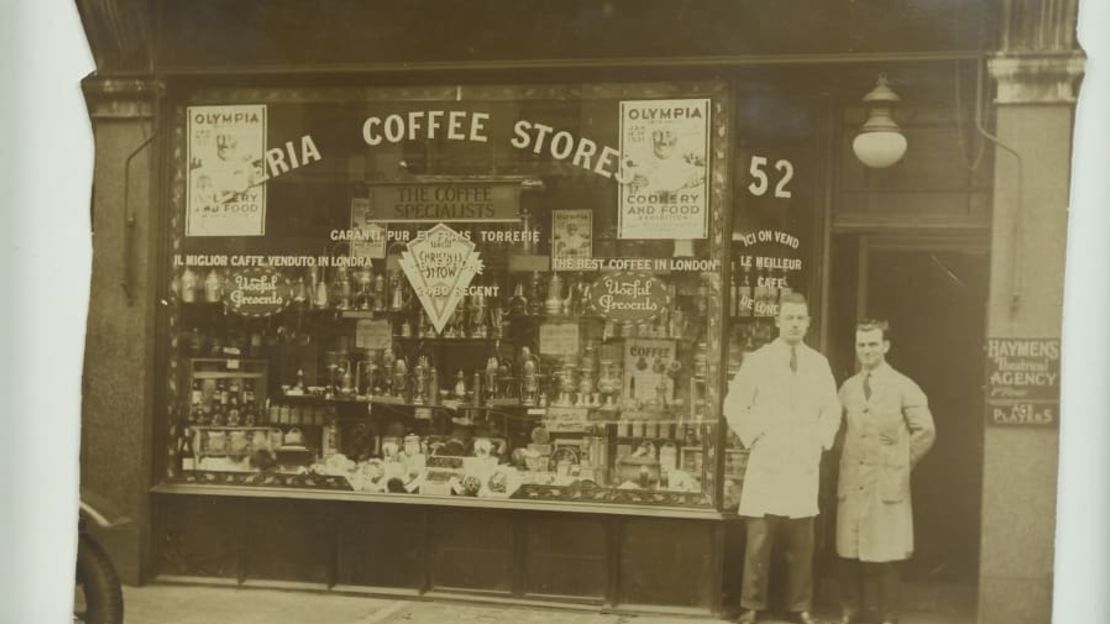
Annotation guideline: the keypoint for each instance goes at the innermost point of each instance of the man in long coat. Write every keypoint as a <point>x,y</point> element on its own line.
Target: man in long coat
<point>889,430</point>
<point>782,404</point>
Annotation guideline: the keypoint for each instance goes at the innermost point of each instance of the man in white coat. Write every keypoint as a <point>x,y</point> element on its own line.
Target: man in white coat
<point>889,430</point>
<point>782,404</point>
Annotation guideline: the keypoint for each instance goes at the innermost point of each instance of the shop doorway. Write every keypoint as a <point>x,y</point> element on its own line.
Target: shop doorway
<point>934,291</point>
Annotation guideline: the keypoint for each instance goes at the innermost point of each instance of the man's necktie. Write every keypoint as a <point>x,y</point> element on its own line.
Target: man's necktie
<point>793,359</point>
<point>867,386</point>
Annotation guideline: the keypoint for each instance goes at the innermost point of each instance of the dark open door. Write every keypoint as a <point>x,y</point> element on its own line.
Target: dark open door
<point>933,290</point>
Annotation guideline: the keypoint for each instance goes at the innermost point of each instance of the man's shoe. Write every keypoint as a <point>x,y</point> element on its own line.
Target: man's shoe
<point>749,616</point>
<point>848,618</point>
<point>805,617</point>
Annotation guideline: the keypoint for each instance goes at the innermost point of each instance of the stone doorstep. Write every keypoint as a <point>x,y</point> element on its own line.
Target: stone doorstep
<point>941,597</point>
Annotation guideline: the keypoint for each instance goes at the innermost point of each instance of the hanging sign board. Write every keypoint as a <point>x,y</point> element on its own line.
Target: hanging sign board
<point>664,146</point>
<point>257,292</point>
<point>225,149</point>
<point>629,297</point>
<point>440,264</point>
<point>1023,381</point>
<point>454,201</point>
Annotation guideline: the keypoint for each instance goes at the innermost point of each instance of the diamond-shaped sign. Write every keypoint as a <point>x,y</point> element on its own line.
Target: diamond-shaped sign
<point>440,265</point>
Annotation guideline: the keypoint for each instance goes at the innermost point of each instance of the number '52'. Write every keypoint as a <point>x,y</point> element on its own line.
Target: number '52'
<point>760,183</point>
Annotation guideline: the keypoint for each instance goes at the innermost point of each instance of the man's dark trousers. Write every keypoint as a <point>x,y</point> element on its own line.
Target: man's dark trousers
<point>796,534</point>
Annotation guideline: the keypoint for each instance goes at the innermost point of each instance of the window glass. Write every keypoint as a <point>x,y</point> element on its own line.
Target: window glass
<point>494,292</point>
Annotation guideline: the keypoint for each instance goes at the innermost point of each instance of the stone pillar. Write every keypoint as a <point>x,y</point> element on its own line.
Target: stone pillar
<point>119,384</point>
<point>1037,77</point>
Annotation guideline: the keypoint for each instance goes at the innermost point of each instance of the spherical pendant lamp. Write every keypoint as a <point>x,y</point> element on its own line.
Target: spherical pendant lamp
<point>880,142</point>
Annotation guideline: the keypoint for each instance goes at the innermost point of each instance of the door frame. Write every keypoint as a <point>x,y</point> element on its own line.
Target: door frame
<point>973,243</point>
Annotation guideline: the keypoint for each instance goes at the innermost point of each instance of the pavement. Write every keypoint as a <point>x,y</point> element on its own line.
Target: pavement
<point>189,604</point>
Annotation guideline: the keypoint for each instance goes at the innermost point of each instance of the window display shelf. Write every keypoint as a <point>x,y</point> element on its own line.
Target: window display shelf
<point>449,405</point>
<point>597,415</point>
<point>214,484</point>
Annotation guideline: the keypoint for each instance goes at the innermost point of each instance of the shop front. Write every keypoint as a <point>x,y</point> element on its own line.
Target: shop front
<point>473,338</point>
<point>416,326</point>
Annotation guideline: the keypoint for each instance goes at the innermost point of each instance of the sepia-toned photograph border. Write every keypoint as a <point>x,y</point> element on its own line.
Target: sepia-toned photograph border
<point>588,311</point>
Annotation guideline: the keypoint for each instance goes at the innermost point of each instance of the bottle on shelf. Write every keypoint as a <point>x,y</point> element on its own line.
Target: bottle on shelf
<point>213,287</point>
<point>234,412</point>
<point>320,298</point>
<point>347,381</point>
<point>185,451</point>
<point>492,375</point>
<point>397,291</point>
<point>419,380</point>
<point>377,290</point>
<point>188,285</point>
<point>476,316</point>
<point>363,279</point>
<point>527,244</point>
<point>518,303</point>
<point>433,386</point>
<point>342,290</point>
<point>535,294</point>
<point>553,305</point>
<point>196,398</point>
<point>300,293</point>
<point>460,385</point>
<point>220,400</point>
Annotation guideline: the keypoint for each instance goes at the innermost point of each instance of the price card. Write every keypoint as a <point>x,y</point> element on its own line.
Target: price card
<point>371,334</point>
<point>566,419</point>
<point>559,338</point>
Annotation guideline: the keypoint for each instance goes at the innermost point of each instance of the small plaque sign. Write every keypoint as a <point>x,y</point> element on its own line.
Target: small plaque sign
<point>629,296</point>
<point>450,201</point>
<point>257,292</point>
<point>1023,381</point>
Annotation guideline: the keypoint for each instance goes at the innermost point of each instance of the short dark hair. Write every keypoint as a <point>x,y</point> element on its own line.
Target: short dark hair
<point>793,297</point>
<point>873,324</point>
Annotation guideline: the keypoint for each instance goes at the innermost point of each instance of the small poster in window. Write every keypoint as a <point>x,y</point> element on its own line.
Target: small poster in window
<point>571,237</point>
<point>559,338</point>
<point>649,368</point>
<point>225,191</point>
<point>367,236</point>
<point>664,151</point>
<point>373,334</point>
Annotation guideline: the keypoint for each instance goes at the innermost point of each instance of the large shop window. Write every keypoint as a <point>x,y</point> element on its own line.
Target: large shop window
<point>506,293</point>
